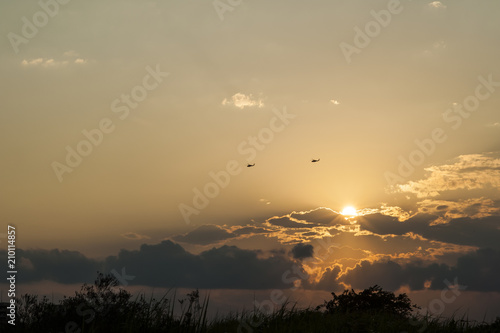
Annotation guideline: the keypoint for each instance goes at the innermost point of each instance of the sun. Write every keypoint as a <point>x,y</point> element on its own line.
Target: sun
<point>349,211</point>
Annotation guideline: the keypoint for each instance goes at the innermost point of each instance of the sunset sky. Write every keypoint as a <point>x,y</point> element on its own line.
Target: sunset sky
<point>127,127</point>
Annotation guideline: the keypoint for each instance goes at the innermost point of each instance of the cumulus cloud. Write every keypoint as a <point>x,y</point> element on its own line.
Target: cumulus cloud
<point>332,257</point>
<point>241,101</point>
<point>301,251</point>
<point>61,266</point>
<point>437,5</point>
<point>469,172</point>
<point>447,210</point>
<point>205,234</point>
<point>335,252</point>
<point>334,102</point>
<point>466,231</point>
<point>475,271</point>
<point>162,265</point>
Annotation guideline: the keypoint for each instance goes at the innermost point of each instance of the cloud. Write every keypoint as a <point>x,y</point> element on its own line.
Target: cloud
<point>301,251</point>
<point>464,231</point>
<point>205,234</point>
<point>394,211</point>
<point>241,101</point>
<point>69,57</point>
<point>319,216</point>
<point>437,5</point>
<point>448,210</point>
<point>162,265</point>
<point>249,230</point>
<point>51,63</point>
<point>134,236</point>
<point>476,271</point>
<point>334,102</point>
<point>393,254</point>
<point>61,266</point>
<point>469,172</point>
<point>288,222</point>
<point>441,44</point>
<point>70,54</point>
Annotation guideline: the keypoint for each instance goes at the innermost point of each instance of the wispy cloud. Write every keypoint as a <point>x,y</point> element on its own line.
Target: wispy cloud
<point>51,63</point>
<point>134,236</point>
<point>68,58</point>
<point>495,125</point>
<point>71,53</point>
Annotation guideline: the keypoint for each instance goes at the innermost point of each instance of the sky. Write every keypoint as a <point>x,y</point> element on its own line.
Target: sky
<point>127,127</point>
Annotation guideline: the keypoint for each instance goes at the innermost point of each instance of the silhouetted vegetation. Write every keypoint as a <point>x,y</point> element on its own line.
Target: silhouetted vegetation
<point>372,301</point>
<point>104,307</point>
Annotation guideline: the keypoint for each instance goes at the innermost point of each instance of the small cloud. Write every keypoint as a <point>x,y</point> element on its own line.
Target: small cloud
<point>241,101</point>
<point>437,5</point>
<point>265,201</point>
<point>204,235</point>
<point>441,44</point>
<point>53,63</point>
<point>49,62</point>
<point>497,125</point>
<point>334,102</point>
<point>433,50</point>
<point>134,236</point>
<point>32,62</point>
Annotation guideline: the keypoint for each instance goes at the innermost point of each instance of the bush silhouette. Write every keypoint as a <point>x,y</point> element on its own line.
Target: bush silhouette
<point>371,300</point>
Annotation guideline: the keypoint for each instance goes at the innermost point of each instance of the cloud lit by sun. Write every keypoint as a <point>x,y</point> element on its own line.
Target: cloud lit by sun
<point>349,211</point>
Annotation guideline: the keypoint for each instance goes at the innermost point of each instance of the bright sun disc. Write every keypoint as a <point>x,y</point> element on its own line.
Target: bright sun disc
<point>349,211</point>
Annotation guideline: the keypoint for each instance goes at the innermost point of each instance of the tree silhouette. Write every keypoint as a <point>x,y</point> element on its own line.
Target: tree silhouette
<point>371,300</point>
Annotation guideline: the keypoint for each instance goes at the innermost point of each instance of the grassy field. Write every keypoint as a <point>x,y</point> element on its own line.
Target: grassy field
<point>103,307</point>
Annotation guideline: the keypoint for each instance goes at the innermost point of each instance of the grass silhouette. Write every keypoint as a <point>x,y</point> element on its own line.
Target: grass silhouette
<point>104,307</point>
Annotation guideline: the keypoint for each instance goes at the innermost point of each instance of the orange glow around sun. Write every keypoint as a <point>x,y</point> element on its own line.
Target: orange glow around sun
<point>349,211</point>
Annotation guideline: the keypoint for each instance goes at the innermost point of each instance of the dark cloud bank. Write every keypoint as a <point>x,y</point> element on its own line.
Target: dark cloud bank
<point>167,264</point>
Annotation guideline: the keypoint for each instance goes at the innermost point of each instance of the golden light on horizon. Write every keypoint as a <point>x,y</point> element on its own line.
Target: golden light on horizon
<point>349,211</point>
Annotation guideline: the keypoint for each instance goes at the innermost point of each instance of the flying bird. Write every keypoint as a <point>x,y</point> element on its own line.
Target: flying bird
<point>250,165</point>
<point>315,160</point>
